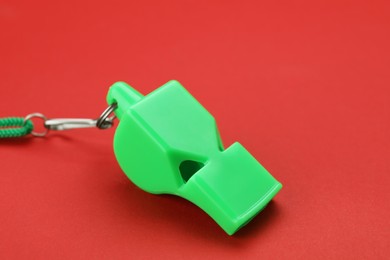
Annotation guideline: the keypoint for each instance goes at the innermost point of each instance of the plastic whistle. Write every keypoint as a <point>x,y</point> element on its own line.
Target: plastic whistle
<point>166,142</point>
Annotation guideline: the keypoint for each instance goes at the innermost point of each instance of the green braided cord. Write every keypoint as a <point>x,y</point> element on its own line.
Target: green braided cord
<point>15,127</point>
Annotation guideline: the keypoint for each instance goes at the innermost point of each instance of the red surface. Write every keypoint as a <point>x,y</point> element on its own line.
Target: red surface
<point>304,86</point>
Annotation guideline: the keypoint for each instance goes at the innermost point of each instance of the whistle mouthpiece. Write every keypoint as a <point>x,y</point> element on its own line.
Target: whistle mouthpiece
<point>232,188</point>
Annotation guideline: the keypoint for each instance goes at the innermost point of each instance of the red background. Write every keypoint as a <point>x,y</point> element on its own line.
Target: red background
<point>303,85</point>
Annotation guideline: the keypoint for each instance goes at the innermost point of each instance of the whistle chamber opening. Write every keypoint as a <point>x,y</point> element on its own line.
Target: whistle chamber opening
<point>188,168</point>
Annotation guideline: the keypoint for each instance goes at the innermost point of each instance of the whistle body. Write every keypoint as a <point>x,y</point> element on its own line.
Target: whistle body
<point>166,142</point>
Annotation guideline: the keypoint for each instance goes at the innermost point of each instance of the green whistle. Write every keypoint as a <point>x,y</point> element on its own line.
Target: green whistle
<point>166,142</point>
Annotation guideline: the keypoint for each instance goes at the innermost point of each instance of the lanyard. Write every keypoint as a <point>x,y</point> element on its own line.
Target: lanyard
<point>11,127</point>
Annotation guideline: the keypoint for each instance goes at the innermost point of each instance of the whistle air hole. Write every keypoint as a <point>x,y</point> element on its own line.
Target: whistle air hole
<point>188,168</point>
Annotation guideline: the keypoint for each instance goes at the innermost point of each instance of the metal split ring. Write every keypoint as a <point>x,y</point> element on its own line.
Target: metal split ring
<point>104,121</point>
<point>37,115</point>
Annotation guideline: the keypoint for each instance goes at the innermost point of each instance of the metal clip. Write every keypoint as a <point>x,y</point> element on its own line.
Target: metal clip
<point>59,124</point>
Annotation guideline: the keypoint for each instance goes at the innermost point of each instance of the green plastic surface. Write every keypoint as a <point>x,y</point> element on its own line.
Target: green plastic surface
<point>166,142</point>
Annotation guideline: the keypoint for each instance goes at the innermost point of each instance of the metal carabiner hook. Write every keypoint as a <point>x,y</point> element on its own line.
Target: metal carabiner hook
<point>60,124</point>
